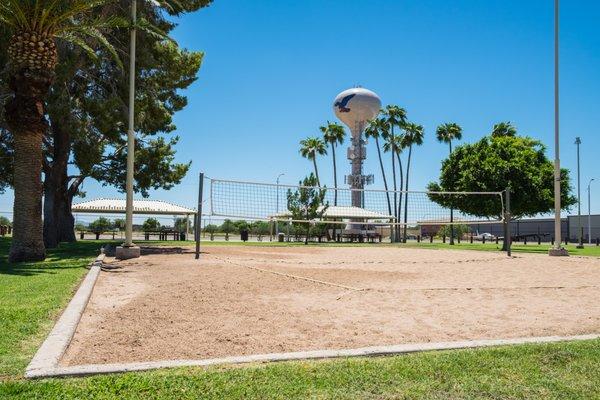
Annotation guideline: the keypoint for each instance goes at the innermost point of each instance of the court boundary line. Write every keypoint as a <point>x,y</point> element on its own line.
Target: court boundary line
<point>58,340</point>
<point>56,371</point>
<point>291,276</point>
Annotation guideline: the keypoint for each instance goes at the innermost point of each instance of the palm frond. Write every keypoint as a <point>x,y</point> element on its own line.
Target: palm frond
<point>75,9</point>
<point>93,33</point>
<point>78,41</point>
<point>14,12</point>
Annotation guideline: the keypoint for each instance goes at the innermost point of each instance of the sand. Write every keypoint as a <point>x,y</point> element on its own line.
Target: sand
<point>236,301</point>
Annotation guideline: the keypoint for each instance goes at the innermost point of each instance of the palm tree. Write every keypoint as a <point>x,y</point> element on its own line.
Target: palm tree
<point>396,146</point>
<point>413,136</point>
<point>333,134</point>
<point>446,133</point>
<point>395,117</point>
<point>35,27</point>
<point>504,129</point>
<point>309,148</point>
<point>377,128</point>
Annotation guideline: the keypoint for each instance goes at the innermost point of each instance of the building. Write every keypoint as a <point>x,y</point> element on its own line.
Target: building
<point>534,227</point>
<point>574,227</point>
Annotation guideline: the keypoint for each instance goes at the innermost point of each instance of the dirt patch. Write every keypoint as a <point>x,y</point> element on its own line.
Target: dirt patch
<point>247,300</point>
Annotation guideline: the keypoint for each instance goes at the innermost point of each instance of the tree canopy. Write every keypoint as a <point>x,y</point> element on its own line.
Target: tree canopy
<point>87,112</point>
<point>100,225</point>
<point>307,202</point>
<point>495,163</point>
<point>150,225</point>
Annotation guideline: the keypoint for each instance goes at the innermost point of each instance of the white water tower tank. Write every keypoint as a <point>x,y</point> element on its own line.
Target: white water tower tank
<point>354,107</point>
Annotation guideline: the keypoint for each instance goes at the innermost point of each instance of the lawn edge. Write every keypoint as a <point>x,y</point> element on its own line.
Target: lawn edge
<point>56,371</point>
<point>56,343</point>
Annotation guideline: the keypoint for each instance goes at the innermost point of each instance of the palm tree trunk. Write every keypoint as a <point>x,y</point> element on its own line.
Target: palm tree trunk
<point>335,185</point>
<point>406,193</point>
<point>400,169</point>
<point>26,120</point>
<point>314,160</point>
<point>395,187</point>
<point>451,210</point>
<point>387,194</point>
<point>28,236</point>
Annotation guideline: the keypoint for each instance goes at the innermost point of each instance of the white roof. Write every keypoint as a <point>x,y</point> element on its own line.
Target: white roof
<point>117,206</point>
<point>345,212</point>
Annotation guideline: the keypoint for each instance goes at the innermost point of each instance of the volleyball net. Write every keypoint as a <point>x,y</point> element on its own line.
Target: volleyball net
<point>289,203</point>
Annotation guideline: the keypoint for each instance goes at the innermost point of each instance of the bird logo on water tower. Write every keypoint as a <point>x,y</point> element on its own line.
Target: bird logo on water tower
<point>355,107</point>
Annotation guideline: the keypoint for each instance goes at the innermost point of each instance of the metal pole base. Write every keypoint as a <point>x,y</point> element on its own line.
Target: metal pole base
<point>562,252</point>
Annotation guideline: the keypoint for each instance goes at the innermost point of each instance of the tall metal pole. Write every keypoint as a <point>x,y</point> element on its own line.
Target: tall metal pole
<point>130,132</point>
<point>558,250</point>
<point>590,211</point>
<point>277,211</point>
<point>580,227</point>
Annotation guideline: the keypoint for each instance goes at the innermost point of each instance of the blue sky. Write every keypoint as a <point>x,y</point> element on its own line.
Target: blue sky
<point>273,67</point>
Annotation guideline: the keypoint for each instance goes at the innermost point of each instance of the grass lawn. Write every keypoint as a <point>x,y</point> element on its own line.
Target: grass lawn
<point>588,250</point>
<point>32,295</point>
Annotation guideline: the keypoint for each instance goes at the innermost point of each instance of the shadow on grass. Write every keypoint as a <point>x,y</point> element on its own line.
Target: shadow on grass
<point>66,256</point>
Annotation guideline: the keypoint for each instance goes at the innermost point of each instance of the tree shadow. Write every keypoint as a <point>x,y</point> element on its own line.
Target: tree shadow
<point>147,250</point>
<point>66,256</point>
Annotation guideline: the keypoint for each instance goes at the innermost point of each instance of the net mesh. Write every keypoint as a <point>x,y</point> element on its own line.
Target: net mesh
<point>269,202</point>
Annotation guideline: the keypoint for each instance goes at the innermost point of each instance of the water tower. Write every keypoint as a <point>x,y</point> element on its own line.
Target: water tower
<point>354,107</point>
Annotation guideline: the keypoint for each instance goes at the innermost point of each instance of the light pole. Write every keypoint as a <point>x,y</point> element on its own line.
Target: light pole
<point>276,220</point>
<point>129,250</point>
<point>590,211</point>
<point>557,250</point>
<point>580,228</point>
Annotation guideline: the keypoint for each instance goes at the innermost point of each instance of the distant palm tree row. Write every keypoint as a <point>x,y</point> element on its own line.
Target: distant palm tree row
<point>393,134</point>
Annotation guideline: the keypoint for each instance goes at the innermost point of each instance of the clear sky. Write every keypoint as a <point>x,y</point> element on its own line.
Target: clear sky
<point>273,67</point>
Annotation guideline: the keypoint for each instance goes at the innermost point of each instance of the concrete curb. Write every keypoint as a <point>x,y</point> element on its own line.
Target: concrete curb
<point>92,369</point>
<point>51,351</point>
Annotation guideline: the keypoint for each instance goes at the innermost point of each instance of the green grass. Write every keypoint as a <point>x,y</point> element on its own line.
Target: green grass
<point>589,250</point>
<point>552,371</point>
<point>31,296</point>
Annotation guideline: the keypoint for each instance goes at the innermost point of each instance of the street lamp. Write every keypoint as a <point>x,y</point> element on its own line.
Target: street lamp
<point>590,211</point>
<point>557,249</point>
<point>277,211</point>
<point>580,230</point>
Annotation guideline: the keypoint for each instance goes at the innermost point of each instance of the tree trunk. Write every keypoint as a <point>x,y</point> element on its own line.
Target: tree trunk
<point>400,169</point>
<point>26,120</point>
<point>451,210</point>
<point>406,193</point>
<point>387,194</point>
<point>66,221</point>
<point>58,220</point>
<point>316,171</point>
<point>335,185</point>
<point>50,222</point>
<point>64,214</point>
<point>395,234</point>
